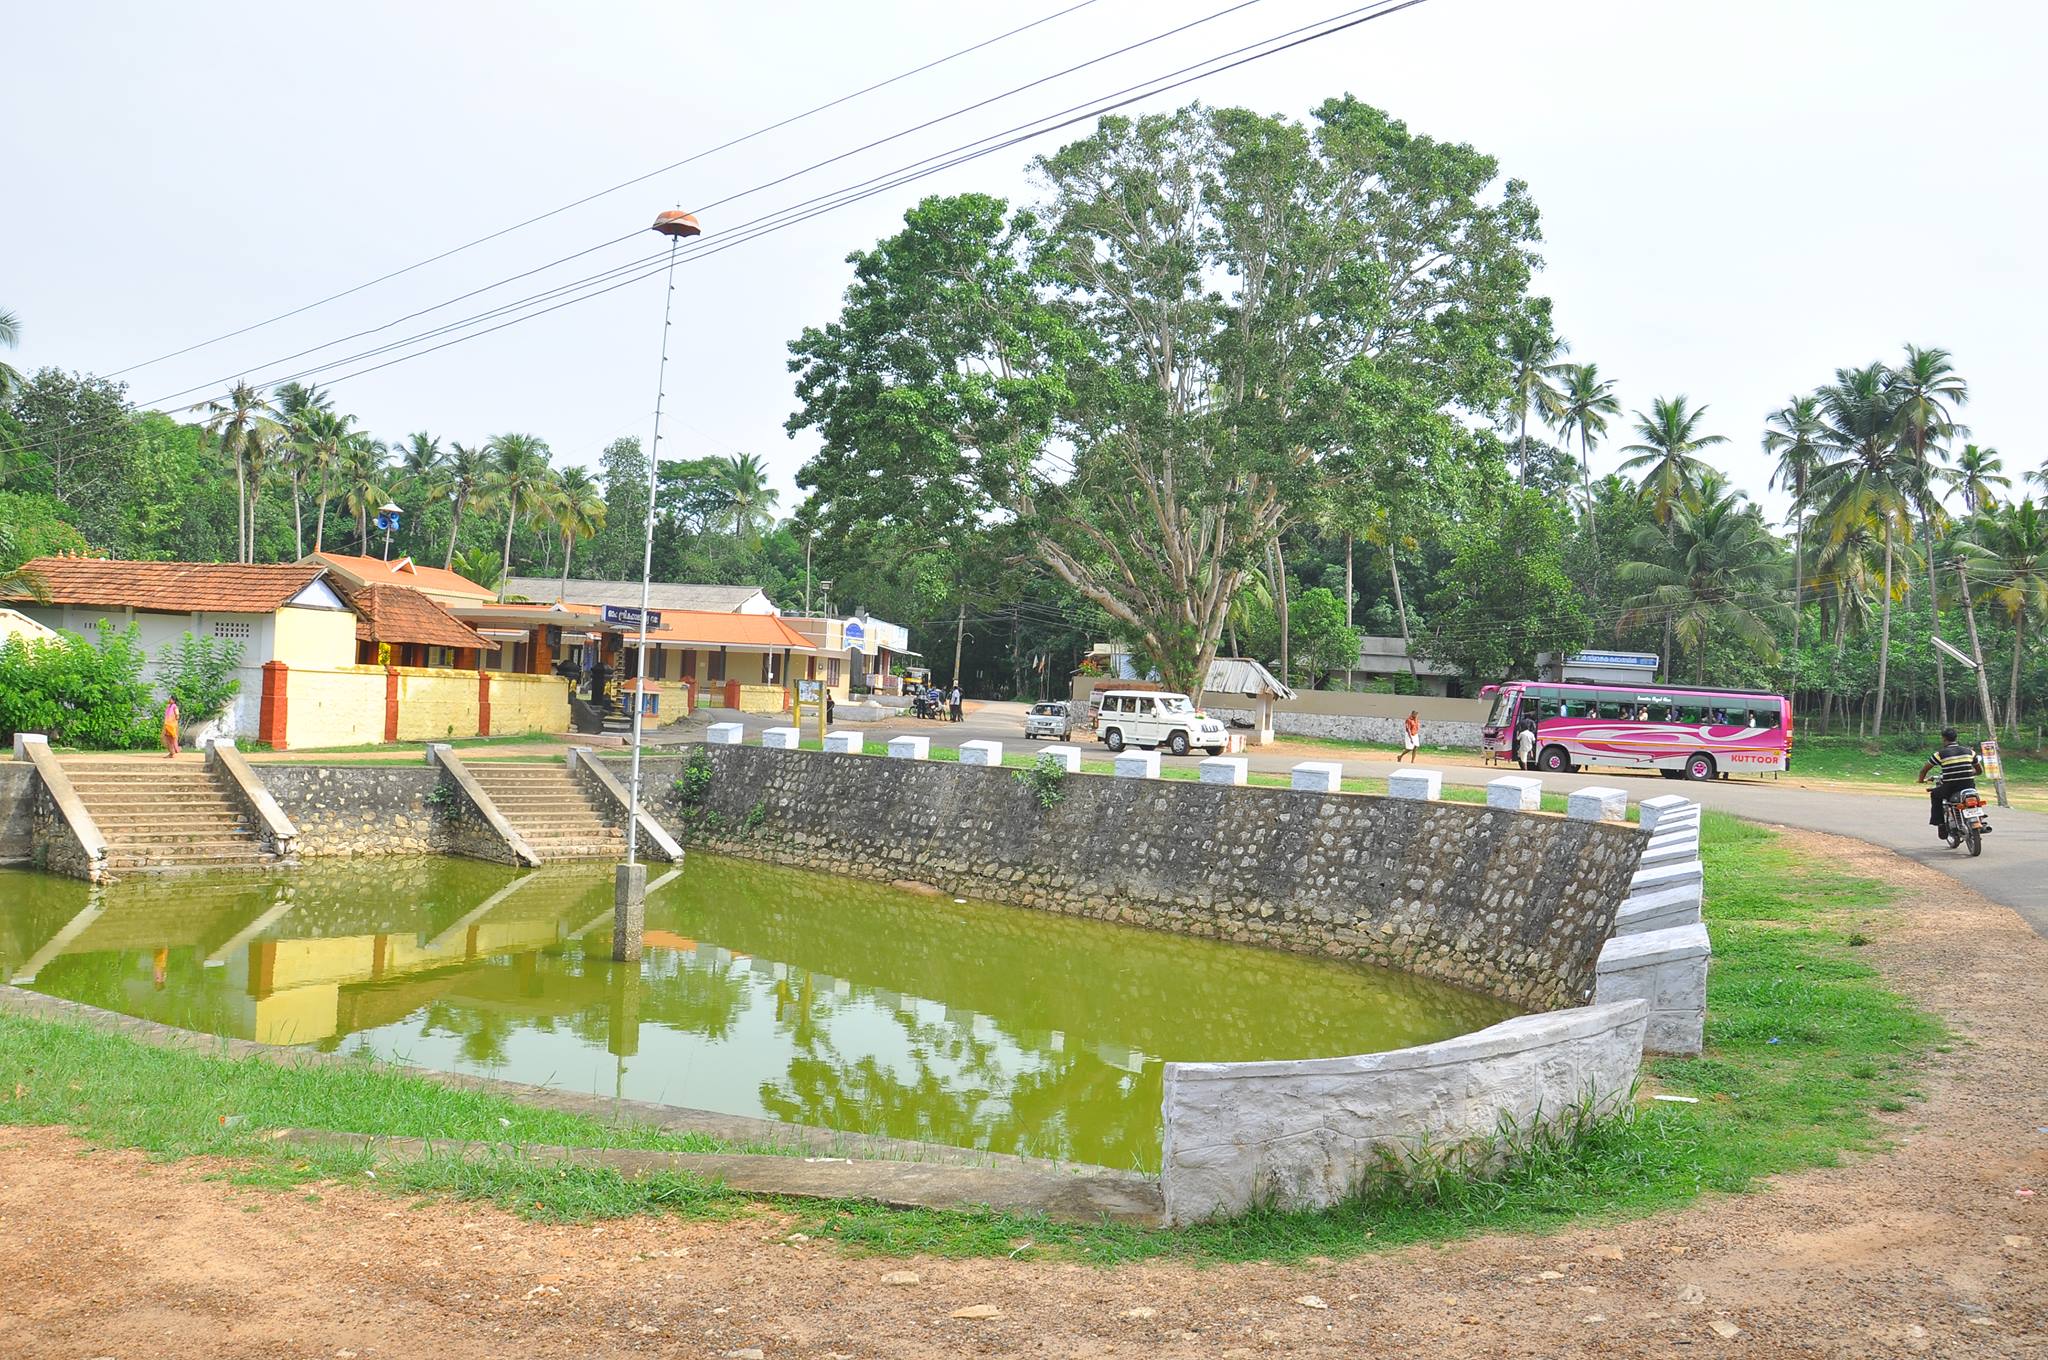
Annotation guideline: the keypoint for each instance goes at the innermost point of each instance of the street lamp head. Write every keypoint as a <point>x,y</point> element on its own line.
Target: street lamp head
<point>676,222</point>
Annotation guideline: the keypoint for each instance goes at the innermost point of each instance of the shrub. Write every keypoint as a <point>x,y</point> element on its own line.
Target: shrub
<point>78,693</point>
<point>199,673</point>
<point>695,780</point>
<point>1048,780</point>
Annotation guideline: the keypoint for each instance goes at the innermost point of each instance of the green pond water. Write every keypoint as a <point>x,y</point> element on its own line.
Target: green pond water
<point>764,991</point>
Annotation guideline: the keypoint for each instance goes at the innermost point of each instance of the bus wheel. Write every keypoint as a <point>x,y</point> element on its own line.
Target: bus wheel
<point>1554,759</point>
<point>1700,766</point>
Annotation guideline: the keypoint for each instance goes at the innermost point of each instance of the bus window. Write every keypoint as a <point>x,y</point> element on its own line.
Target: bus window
<point>1660,711</point>
<point>1688,712</point>
<point>1613,709</point>
<point>1764,715</point>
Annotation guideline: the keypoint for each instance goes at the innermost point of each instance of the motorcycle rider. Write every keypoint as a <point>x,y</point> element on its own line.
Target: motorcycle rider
<point>1959,766</point>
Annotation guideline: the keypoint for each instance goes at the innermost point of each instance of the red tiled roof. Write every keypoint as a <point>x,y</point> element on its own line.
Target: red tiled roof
<point>401,614</point>
<point>402,572</point>
<point>174,587</point>
<point>705,628</point>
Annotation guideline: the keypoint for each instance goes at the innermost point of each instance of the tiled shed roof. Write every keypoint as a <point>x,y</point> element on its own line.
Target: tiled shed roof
<point>402,614</point>
<point>174,587</point>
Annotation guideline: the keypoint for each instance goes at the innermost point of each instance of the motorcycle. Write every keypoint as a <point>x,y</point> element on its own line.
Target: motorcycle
<point>1965,820</point>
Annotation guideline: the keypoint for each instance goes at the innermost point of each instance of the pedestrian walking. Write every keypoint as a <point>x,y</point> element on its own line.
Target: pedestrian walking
<point>954,701</point>
<point>1411,737</point>
<point>170,729</point>
<point>1525,746</point>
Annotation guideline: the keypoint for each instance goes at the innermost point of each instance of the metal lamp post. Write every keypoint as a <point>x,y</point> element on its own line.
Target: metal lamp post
<point>629,899</point>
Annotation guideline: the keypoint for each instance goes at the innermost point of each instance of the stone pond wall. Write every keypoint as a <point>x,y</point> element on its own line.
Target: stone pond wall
<point>365,810</point>
<point>1513,904</point>
<point>17,811</point>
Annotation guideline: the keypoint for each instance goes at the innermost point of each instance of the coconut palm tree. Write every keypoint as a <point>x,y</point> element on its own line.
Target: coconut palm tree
<point>2014,564</point>
<point>327,438</point>
<point>1979,473</point>
<point>231,421</point>
<point>1864,480</point>
<point>1713,566</point>
<point>363,479</point>
<point>1533,367</point>
<point>294,403</point>
<point>518,484</point>
<point>579,510</point>
<point>1792,435</point>
<point>1666,459</point>
<point>743,485</point>
<point>1382,529</point>
<point>1582,409</point>
<point>10,338</point>
<point>1847,580</point>
<point>420,467</point>
<point>466,484</point>
<point>1929,392</point>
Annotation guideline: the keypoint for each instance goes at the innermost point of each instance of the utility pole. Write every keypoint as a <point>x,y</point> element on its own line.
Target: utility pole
<point>1983,687</point>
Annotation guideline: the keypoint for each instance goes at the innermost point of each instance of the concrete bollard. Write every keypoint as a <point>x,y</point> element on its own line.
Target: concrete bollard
<point>1424,786</point>
<point>981,753</point>
<point>1659,910</point>
<point>1659,876</point>
<point>1669,850</point>
<point>1317,776</point>
<point>1069,757</point>
<point>725,734</point>
<point>1137,764</point>
<point>1655,810</point>
<point>1515,792</point>
<point>629,911</point>
<point>1668,969</point>
<point>910,748</point>
<point>845,743</point>
<point>1597,804</point>
<point>781,738</point>
<point>1225,770</point>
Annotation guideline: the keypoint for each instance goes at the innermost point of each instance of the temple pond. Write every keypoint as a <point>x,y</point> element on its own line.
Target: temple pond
<point>764,991</point>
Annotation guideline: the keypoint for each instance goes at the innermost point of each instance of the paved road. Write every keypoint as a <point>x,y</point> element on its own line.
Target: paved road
<point>2013,869</point>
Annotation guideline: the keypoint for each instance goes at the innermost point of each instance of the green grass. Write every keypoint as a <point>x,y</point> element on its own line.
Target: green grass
<point>1804,1046</point>
<point>1895,760</point>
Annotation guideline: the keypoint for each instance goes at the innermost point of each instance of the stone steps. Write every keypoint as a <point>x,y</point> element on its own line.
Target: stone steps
<point>164,817</point>
<point>552,812</point>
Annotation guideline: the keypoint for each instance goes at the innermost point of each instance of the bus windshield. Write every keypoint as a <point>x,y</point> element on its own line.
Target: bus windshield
<point>1503,705</point>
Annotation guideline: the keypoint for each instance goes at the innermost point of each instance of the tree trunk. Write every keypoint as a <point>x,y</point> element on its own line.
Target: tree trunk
<point>1827,703</point>
<point>241,508</point>
<point>1977,652</point>
<point>568,549</point>
<point>1592,518</point>
<point>320,515</point>
<point>1349,591</point>
<point>1884,642</point>
<point>2012,686</point>
<point>1798,584</point>
<point>1401,609</point>
<point>454,524</point>
<point>1667,647</point>
<point>1280,609</point>
<point>505,565</point>
<point>255,494</point>
<point>959,638</point>
<point>298,516</point>
<point>1934,624</point>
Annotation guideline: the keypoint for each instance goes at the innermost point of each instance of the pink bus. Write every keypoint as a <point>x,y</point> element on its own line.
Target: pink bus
<point>1681,733</point>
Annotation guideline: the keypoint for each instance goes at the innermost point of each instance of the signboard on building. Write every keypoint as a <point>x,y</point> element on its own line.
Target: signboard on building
<point>628,616</point>
<point>809,692</point>
<point>854,634</point>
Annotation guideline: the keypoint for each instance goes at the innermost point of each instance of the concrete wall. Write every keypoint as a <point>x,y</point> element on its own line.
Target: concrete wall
<point>1305,1134</point>
<point>1510,903</point>
<point>1345,715</point>
<point>345,705</point>
<point>17,811</point>
<point>334,706</point>
<point>526,703</point>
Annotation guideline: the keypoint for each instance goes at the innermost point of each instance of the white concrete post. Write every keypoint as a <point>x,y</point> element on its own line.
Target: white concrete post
<point>1137,764</point>
<point>1597,804</point>
<point>1515,792</point>
<point>910,748</point>
<point>845,743</point>
<point>1668,969</point>
<point>981,753</point>
<point>1317,776</point>
<point>781,738</point>
<point>725,734</point>
<point>1069,757</point>
<point>1425,786</point>
<point>1225,770</point>
<point>1654,810</point>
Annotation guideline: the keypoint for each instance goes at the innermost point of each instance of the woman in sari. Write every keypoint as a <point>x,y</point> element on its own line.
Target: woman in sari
<point>170,729</point>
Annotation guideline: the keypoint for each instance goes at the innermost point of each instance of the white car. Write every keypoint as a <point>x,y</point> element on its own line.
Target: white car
<point>1156,718</point>
<point>1048,720</point>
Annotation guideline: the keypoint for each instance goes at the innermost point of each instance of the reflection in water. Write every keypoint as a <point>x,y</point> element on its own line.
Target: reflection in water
<point>763,991</point>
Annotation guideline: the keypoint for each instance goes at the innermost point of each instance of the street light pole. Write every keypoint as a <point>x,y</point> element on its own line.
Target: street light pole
<point>629,901</point>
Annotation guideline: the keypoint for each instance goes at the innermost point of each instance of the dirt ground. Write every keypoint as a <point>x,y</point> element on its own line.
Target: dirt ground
<point>1928,1249</point>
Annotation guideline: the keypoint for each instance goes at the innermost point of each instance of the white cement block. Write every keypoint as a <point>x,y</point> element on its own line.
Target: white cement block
<point>780,738</point>
<point>1318,776</point>
<point>910,748</point>
<point>724,734</point>
<point>1597,804</point>
<point>1225,770</point>
<point>1676,1034</point>
<point>23,740</point>
<point>1670,850</point>
<point>1069,757</point>
<point>1659,910</point>
<point>1515,792</point>
<point>981,753</point>
<point>1654,810</point>
<point>845,743</point>
<point>1665,876</point>
<point>1668,969</point>
<point>1137,764</point>
<point>1423,785</point>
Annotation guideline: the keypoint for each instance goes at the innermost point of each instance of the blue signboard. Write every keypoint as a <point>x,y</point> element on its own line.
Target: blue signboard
<point>1614,659</point>
<point>854,632</point>
<point>627,616</point>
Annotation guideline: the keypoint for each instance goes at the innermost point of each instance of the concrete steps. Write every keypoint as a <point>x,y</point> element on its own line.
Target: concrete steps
<point>161,816</point>
<point>550,810</point>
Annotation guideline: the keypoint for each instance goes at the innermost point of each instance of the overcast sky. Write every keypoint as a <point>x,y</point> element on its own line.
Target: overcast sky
<point>1737,197</point>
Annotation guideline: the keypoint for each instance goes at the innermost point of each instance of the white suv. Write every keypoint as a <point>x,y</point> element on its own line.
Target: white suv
<point>1153,718</point>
